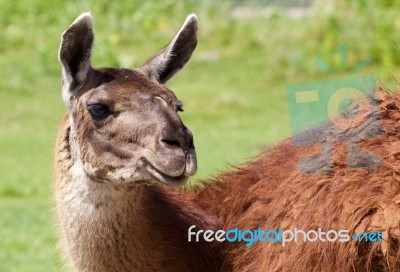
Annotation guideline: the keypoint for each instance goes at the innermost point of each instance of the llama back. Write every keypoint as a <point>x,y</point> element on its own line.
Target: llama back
<point>269,192</point>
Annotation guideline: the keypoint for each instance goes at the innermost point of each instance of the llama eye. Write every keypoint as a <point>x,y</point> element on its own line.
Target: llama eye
<point>98,111</point>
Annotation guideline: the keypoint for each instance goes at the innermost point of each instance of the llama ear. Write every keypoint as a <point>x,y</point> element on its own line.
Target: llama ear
<point>169,60</point>
<point>75,53</point>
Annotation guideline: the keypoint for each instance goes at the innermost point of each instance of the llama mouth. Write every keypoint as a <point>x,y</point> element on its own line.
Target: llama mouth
<point>164,178</point>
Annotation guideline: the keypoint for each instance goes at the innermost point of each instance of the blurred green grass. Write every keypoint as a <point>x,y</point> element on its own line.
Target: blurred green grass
<point>233,88</point>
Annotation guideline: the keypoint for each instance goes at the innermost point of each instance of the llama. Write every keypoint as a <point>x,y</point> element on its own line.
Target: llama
<point>121,133</point>
<point>122,149</point>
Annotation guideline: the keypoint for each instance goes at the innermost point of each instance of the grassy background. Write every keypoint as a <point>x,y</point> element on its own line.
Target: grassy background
<point>233,88</point>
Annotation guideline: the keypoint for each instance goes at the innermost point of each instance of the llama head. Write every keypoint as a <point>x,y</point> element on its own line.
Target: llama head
<point>125,122</point>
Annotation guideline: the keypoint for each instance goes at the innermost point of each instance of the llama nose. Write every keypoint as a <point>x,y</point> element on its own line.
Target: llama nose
<point>183,138</point>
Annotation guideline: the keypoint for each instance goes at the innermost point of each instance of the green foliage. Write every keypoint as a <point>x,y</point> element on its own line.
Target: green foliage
<point>233,88</point>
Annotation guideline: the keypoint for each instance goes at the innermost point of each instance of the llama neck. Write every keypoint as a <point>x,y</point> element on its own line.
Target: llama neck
<point>93,215</point>
<point>125,228</point>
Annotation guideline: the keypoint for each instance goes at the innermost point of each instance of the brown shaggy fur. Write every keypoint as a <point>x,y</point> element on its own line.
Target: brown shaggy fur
<point>269,193</point>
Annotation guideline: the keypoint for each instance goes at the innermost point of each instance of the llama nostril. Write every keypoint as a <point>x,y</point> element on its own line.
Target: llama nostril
<point>188,140</point>
<point>182,139</point>
<point>191,145</point>
<point>171,143</point>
